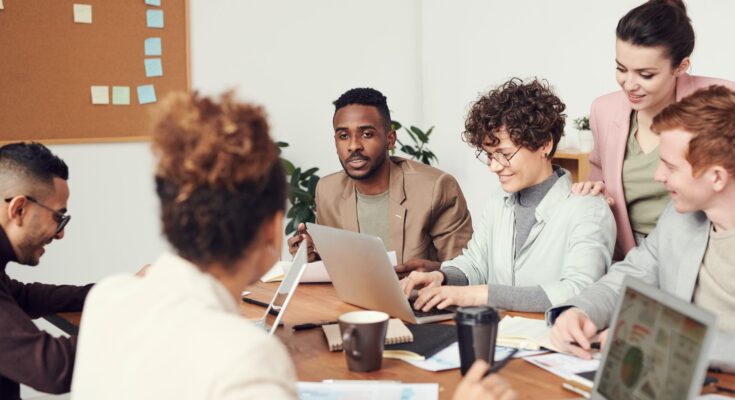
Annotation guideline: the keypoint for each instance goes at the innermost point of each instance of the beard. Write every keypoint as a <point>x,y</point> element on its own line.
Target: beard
<point>370,172</point>
<point>29,245</point>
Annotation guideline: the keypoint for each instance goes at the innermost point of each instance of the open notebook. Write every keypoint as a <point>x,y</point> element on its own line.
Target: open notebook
<point>397,333</point>
<point>524,333</point>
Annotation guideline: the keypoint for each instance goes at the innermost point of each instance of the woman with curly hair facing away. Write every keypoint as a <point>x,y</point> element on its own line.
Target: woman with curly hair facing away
<point>537,244</point>
<point>176,333</point>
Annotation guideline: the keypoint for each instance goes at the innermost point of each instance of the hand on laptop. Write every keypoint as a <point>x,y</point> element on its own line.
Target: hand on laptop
<point>295,242</point>
<point>418,264</point>
<point>420,280</point>
<point>573,332</point>
<point>474,387</point>
<point>445,296</point>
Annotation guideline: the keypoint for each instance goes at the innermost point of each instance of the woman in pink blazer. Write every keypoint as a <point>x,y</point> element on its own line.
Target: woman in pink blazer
<point>654,42</point>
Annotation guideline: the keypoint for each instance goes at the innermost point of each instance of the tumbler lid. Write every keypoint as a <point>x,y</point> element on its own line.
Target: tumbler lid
<point>476,315</point>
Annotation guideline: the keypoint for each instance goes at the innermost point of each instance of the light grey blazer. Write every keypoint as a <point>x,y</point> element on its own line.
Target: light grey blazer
<point>669,258</point>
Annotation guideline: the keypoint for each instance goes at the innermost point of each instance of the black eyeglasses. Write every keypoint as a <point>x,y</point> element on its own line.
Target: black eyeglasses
<point>504,160</point>
<point>61,219</point>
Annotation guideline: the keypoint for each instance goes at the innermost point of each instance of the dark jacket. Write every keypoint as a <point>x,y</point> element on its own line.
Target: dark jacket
<point>27,354</point>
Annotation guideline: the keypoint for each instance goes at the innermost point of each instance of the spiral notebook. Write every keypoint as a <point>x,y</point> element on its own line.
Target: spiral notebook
<point>397,333</point>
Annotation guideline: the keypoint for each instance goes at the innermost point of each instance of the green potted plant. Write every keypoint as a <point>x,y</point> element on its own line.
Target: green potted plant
<point>301,193</point>
<point>417,150</point>
<point>584,134</point>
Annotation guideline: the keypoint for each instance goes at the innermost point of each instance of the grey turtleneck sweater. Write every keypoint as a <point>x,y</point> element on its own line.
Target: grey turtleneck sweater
<point>530,298</point>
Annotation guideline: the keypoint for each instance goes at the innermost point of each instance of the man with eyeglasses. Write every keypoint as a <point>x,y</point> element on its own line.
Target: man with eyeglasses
<point>537,244</point>
<point>33,214</point>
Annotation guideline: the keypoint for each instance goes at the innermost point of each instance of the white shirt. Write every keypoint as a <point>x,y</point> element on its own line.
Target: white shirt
<point>174,334</point>
<point>569,247</point>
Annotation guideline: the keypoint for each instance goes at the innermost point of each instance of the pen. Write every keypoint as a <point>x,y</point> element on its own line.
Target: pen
<point>272,311</point>
<point>500,364</point>
<point>312,325</point>
<point>593,345</point>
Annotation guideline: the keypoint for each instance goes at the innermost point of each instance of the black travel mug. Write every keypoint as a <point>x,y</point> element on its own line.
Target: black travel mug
<point>477,331</point>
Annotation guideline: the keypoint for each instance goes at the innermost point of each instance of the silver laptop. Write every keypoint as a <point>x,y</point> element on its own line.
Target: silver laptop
<point>657,347</point>
<point>363,275</point>
<point>286,289</point>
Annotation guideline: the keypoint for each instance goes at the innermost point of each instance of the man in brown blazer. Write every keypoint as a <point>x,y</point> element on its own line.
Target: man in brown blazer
<point>419,211</point>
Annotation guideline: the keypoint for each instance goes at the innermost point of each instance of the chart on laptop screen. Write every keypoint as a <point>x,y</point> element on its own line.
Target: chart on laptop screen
<point>654,351</point>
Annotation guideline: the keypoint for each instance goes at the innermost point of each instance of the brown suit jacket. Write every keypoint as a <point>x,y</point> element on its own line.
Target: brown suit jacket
<point>428,213</point>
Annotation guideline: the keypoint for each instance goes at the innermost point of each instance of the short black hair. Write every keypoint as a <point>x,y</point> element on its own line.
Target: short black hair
<point>33,159</point>
<point>365,97</point>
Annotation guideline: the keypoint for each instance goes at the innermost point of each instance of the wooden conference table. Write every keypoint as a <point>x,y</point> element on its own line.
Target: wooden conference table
<point>314,362</point>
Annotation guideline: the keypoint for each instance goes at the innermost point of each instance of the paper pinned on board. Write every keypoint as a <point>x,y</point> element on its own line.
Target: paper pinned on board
<point>121,95</point>
<point>153,2</point>
<point>83,13</point>
<point>146,94</point>
<point>100,94</point>
<point>152,46</point>
<point>153,67</point>
<point>154,18</point>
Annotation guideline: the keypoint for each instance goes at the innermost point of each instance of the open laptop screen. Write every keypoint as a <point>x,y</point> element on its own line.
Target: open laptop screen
<point>654,351</point>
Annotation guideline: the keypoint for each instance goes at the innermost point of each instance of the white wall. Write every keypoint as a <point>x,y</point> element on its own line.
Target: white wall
<point>470,46</point>
<point>431,58</point>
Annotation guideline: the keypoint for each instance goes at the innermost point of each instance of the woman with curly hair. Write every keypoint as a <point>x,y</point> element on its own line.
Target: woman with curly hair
<point>537,245</point>
<point>176,333</point>
<point>654,42</point>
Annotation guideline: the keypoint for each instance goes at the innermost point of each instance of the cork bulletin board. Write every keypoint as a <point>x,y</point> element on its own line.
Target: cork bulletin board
<point>58,57</point>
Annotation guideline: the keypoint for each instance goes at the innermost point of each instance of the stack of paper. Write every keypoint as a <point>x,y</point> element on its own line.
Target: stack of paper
<point>563,365</point>
<point>524,333</point>
<point>368,390</point>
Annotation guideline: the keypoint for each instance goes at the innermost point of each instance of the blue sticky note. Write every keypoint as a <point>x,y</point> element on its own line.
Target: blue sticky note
<point>153,2</point>
<point>153,46</point>
<point>146,94</point>
<point>153,67</point>
<point>154,18</point>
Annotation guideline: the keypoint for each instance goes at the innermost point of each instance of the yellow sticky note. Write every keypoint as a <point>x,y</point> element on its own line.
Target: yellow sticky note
<point>100,95</point>
<point>83,13</point>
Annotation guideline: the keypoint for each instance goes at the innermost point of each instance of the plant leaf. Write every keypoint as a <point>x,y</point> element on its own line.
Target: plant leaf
<point>306,174</point>
<point>295,176</point>
<point>422,137</point>
<point>429,131</point>
<point>287,166</point>
<point>395,125</point>
<point>411,135</point>
<point>311,187</point>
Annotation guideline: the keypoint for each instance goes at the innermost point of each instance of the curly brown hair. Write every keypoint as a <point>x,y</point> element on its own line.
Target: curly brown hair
<point>218,175</point>
<point>530,112</point>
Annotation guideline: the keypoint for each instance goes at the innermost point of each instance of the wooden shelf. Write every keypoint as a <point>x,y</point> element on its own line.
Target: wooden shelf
<point>575,161</point>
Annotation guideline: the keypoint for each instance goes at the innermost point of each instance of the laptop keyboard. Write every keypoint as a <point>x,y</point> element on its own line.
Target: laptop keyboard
<point>432,312</point>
